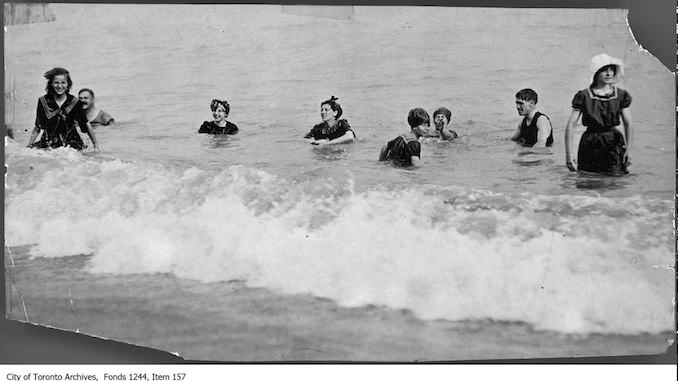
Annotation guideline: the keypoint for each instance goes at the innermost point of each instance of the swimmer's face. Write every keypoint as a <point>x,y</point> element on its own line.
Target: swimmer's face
<point>219,114</point>
<point>60,84</point>
<point>606,75</point>
<point>87,99</point>
<point>423,129</point>
<point>326,113</point>
<point>524,107</point>
<point>440,121</point>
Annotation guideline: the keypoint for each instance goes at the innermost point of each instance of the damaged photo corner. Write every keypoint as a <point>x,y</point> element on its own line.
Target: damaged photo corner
<point>168,245</point>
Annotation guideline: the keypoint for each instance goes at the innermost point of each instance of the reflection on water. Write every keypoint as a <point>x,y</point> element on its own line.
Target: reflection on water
<point>599,182</point>
<point>530,156</point>
<point>220,141</point>
<point>330,152</point>
<point>532,162</point>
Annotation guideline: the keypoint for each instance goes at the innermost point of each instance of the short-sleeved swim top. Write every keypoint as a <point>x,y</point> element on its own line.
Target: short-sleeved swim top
<point>323,131</point>
<point>601,112</point>
<point>401,149</point>
<point>214,129</point>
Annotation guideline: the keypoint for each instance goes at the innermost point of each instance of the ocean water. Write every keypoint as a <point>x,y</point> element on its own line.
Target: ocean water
<point>484,232</point>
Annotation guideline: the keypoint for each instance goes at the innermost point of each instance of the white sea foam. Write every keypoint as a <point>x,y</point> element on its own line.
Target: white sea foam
<point>571,264</point>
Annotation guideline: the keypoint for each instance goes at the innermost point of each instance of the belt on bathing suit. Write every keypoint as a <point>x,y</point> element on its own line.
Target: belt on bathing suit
<point>599,130</point>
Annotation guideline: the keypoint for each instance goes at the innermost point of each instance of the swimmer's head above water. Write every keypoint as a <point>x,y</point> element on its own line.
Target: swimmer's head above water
<point>526,101</point>
<point>442,117</point>
<point>330,109</point>
<point>419,121</point>
<point>86,96</point>
<point>606,70</point>
<point>220,110</point>
<point>59,81</point>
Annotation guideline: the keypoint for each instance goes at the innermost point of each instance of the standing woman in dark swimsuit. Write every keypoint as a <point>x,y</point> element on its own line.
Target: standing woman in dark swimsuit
<point>58,113</point>
<point>603,147</point>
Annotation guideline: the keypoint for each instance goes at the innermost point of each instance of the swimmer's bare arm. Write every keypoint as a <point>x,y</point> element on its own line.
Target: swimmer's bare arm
<point>34,134</point>
<point>543,131</point>
<point>628,131</point>
<point>90,132</point>
<point>516,135</point>
<point>383,153</point>
<point>416,161</point>
<point>571,161</point>
<point>347,137</point>
<point>447,134</point>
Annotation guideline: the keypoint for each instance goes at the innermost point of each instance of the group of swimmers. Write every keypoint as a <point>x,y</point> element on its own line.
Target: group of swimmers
<point>602,148</point>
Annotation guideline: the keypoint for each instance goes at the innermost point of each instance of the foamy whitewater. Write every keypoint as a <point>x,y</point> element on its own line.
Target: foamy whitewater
<point>486,231</point>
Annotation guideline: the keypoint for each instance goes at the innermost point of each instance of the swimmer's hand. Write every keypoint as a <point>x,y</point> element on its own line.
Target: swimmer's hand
<point>320,142</point>
<point>627,159</point>
<point>571,163</point>
<point>92,148</point>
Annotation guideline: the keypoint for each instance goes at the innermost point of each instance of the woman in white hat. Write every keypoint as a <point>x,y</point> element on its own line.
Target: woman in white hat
<point>602,147</point>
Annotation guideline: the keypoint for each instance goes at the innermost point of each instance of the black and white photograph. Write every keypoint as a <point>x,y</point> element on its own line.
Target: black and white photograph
<point>283,183</point>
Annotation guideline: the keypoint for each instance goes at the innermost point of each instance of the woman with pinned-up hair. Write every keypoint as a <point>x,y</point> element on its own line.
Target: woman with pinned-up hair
<point>332,130</point>
<point>59,114</point>
<point>219,126</point>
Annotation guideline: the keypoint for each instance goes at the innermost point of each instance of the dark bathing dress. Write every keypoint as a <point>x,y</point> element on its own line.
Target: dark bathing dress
<point>602,146</point>
<point>58,123</point>
<point>215,129</point>
<point>401,149</point>
<point>528,134</point>
<point>322,131</point>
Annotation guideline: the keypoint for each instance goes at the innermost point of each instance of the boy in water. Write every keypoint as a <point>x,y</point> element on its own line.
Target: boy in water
<point>533,130</point>
<point>441,120</point>
<point>405,150</point>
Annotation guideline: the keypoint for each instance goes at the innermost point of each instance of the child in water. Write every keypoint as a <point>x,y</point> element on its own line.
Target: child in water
<point>405,150</point>
<point>59,114</point>
<point>332,130</point>
<point>602,148</point>
<point>535,129</point>
<point>220,125</point>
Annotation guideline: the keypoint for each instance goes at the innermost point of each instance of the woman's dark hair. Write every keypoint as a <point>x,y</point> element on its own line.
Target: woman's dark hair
<point>53,73</point>
<point>418,116</point>
<point>216,102</point>
<point>87,90</point>
<point>333,103</point>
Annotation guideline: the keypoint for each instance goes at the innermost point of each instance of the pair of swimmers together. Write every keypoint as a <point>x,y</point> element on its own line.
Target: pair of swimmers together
<point>61,118</point>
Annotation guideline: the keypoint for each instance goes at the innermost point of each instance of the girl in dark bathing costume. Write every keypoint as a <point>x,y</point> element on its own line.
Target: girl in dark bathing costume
<point>602,148</point>
<point>59,114</point>
<point>220,125</point>
<point>332,130</point>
